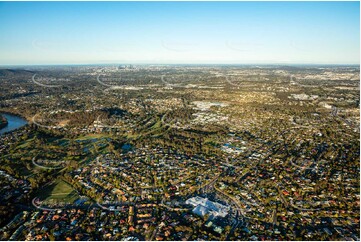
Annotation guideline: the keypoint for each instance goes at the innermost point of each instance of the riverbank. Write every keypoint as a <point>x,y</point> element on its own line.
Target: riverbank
<point>13,113</point>
<point>3,122</point>
<point>13,122</point>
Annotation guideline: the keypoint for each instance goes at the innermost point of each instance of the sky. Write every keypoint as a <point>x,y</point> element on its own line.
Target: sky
<point>36,33</point>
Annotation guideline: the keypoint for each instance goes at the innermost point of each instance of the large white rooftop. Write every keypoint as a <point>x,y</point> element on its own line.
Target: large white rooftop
<point>204,206</point>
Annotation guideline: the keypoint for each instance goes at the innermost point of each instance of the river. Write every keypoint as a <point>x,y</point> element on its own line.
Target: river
<point>14,122</point>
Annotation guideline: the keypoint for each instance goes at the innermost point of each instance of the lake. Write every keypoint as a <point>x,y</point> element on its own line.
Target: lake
<point>14,122</point>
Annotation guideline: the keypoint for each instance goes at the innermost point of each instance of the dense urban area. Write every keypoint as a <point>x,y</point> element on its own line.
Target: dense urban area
<point>180,152</point>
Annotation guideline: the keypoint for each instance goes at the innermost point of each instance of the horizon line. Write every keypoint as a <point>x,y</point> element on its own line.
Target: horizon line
<point>214,64</point>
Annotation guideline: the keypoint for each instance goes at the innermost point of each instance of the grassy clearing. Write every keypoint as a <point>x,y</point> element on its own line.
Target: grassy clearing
<point>59,191</point>
<point>25,143</point>
<point>157,125</point>
<point>93,136</point>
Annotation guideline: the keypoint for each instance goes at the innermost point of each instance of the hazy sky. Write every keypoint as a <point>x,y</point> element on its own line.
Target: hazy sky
<point>179,32</point>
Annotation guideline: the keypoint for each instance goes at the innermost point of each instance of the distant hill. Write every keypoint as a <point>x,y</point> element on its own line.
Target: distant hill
<point>12,72</point>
